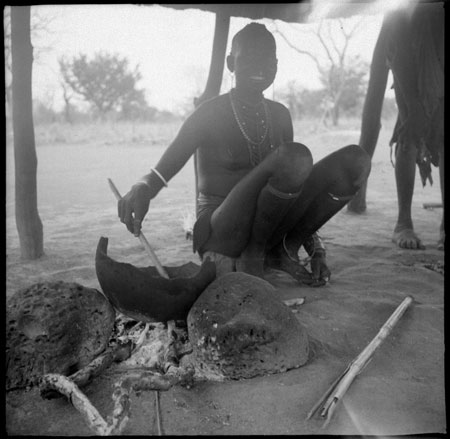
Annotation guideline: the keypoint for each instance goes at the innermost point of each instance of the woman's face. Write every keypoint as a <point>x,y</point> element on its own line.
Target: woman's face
<point>255,63</point>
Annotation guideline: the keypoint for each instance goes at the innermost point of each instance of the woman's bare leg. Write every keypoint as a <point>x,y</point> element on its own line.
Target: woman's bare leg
<point>247,218</point>
<point>333,182</point>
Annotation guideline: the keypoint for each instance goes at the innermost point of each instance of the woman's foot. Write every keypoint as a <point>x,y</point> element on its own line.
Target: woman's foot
<point>251,263</point>
<point>293,267</point>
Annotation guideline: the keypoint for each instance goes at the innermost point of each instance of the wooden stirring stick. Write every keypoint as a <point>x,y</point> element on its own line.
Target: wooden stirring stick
<point>142,238</point>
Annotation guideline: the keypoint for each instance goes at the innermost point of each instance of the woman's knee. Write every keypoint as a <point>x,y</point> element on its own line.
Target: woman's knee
<point>357,162</point>
<point>294,162</point>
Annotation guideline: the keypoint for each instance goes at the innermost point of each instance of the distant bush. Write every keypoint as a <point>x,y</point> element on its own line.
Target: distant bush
<point>42,114</point>
<point>107,132</point>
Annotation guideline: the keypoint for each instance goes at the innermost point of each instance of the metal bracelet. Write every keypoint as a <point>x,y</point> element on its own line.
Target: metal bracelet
<point>160,176</point>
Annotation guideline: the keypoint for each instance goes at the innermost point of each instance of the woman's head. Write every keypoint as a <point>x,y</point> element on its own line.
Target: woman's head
<point>253,57</point>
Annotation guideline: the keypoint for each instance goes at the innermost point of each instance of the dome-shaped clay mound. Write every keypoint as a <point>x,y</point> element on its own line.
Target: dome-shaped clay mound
<point>239,328</point>
<point>54,327</point>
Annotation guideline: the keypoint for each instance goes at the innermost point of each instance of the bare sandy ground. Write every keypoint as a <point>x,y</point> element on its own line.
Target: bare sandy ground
<point>400,392</point>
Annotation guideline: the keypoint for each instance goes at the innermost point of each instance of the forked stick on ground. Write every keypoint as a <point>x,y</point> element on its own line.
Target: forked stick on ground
<point>337,390</point>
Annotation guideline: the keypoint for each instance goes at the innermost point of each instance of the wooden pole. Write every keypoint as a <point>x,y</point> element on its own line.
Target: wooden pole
<point>371,115</point>
<point>214,81</point>
<point>28,222</point>
<point>159,428</point>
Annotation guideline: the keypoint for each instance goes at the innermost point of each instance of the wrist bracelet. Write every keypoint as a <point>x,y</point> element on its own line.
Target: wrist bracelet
<point>160,176</point>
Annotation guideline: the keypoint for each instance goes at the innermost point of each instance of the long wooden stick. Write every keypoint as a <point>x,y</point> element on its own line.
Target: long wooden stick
<point>326,394</point>
<point>93,418</point>
<point>356,366</point>
<point>158,415</point>
<point>142,238</point>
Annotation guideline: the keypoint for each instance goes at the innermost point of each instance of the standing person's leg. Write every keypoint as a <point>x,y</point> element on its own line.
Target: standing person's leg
<point>441,242</point>
<point>405,174</point>
<point>242,224</point>
<point>333,182</point>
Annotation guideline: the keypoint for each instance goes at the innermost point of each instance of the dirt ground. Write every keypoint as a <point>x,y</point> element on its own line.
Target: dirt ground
<point>400,392</point>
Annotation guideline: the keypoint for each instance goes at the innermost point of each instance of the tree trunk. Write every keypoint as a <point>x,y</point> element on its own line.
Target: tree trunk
<point>28,223</point>
<point>67,112</point>
<point>335,115</point>
<point>67,105</point>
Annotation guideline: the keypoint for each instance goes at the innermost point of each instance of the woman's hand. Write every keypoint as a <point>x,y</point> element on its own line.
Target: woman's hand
<point>133,207</point>
<point>319,270</point>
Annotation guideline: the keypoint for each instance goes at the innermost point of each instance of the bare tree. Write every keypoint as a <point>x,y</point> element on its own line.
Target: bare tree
<point>28,222</point>
<point>106,82</point>
<point>333,62</point>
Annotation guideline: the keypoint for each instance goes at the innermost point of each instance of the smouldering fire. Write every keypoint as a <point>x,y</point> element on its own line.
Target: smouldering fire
<point>188,224</point>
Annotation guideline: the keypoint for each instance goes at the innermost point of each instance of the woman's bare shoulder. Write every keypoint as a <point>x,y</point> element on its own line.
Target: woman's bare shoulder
<point>206,115</point>
<point>278,109</point>
<point>275,105</point>
<point>216,103</point>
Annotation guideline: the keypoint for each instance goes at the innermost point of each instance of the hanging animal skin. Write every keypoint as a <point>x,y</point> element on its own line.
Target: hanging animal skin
<point>141,293</point>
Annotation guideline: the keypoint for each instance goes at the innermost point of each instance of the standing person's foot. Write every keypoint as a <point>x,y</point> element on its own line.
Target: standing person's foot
<point>407,238</point>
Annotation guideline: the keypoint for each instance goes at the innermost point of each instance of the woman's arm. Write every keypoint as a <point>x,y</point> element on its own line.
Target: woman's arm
<point>286,120</point>
<point>133,207</point>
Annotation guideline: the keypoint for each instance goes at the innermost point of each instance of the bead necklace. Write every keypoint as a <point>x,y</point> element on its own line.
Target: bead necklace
<point>254,147</point>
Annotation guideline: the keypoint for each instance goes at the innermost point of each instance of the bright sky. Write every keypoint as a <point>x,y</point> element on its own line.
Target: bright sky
<point>172,48</point>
